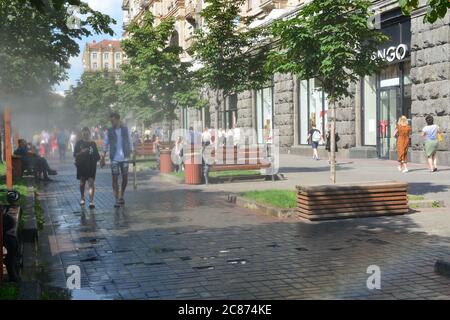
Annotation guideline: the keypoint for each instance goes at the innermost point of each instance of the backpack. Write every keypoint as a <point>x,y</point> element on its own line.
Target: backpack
<point>316,136</point>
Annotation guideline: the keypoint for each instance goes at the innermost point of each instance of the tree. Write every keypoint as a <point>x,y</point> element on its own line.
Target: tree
<point>232,61</point>
<point>155,82</point>
<point>436,9</point>
<point>94,98</point>
<point>329,40</point>
<point>36,44</point>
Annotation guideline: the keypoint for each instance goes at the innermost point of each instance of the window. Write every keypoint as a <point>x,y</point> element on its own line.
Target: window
<point>118,56</point>
<point>369,111</point>
<point>106,66</point>
<point>94,56</point>
<point>117,65</point>
<point>231,112</point>
<point>313,107</point>
<point>94,65</point>
<point>106,56</point>
<point>264,115</point>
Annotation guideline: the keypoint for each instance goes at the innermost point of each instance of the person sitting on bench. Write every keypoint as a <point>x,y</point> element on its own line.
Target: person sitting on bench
<point>31,160</point>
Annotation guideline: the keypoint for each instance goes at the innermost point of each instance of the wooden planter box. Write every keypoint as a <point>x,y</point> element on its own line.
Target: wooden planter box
<point>378,198</point>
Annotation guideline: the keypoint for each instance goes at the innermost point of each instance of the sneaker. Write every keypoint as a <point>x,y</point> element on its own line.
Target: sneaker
<point>400,168</point>
<point>117,204</point>
<point>405,171</point>
<point>121,201</point>
<point>91,205</point>
<point>82,202</point>
<point>435,169</point>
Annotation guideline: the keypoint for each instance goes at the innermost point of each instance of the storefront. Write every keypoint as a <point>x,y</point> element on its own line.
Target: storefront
<point>264,114</point>
<point>387,95</point>
<point>312,108</point>
<point>231,112</point>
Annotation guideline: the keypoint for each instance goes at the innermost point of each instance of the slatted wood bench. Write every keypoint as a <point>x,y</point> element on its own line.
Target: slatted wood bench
<point>250,158</point>
<point>144,149</point>
<point>339,201</point>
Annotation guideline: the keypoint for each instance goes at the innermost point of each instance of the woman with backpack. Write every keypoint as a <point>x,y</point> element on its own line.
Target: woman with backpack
<point>315,136</point>
<point>432,135</point>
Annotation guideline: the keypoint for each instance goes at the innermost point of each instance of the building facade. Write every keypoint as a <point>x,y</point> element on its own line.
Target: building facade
<point>416,82</point>
<point>105,55</point>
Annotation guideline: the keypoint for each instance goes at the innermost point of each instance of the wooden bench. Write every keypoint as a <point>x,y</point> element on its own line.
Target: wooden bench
<point>249,158</point>
<point>339,201</point>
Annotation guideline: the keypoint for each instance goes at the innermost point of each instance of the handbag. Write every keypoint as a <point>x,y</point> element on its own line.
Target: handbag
<point>440,138</point>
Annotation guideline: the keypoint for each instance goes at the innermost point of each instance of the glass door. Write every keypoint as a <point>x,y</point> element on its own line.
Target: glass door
<point>388,113</point>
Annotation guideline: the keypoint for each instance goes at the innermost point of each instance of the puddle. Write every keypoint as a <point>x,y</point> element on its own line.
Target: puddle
<point>237,261</point>
<point>185,258</point>
<point>377,241</point>
<point>154,263</point>
<point>167,250</point>
<point>204,268</point>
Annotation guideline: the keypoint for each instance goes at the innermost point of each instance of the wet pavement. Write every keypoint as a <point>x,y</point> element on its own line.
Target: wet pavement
<point>176,242</point>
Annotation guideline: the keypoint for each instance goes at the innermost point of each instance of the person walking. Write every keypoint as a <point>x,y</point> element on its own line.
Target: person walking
<point>402,132</point>
<point>86,157</point>
<point>72,141</point>
<point>315,136</point>
<point>119,144</point>
<point>62,140</point>
<point>206,137</point>
<point>328,142</point>
<point>178,154</point>
<point>431,133</point>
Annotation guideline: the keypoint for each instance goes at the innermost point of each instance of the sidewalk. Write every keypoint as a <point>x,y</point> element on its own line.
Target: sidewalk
<point>303,170</point>
<point>176,242</point>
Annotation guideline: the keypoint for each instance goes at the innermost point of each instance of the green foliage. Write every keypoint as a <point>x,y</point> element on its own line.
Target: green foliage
<point>329,40</point>
<point>232,59</point>
<point>93,97</point>
<point>36,43</point>
<point>155,81</point>
<point>436,9</point>
<point>9,291</point>
<point>275,198</point>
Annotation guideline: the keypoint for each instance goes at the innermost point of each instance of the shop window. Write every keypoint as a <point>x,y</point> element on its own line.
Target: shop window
<point>313,107</point>
<point>369,111</point>
<point>264,115</point>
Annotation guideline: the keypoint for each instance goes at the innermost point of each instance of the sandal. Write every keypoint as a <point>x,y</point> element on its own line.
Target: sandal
<point>82,202</point>
<point>91,205</point>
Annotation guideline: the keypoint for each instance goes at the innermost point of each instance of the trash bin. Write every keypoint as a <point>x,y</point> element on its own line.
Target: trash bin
<point>165,161</point>
<point>193,168</point>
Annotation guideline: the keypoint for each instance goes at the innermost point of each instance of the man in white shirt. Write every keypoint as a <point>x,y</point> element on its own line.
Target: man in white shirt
<point>119,144</point>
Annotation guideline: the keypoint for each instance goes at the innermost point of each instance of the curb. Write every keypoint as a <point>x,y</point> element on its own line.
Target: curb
<point>418,204</point>
<point>292,212</point>
<point>268,210</point>
<point>29,232</point>
<point>442,267</point>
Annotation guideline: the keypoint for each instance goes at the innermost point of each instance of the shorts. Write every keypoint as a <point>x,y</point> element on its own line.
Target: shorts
<point>431,146</point>
<point>315,144</point>
<point>119,167</point>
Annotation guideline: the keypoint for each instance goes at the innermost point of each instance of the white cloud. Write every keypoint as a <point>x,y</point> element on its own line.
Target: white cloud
<point>110,7</point>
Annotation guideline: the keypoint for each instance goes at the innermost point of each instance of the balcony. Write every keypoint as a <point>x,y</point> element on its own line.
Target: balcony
<point>173,8</point>
<point>190,9</point>
<point>126,5</point>
<point>268,5</point>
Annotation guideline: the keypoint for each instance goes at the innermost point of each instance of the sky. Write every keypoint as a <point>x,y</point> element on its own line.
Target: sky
<point>112,8</point>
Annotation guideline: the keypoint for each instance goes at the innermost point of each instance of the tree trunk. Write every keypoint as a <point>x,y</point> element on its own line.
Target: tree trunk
<point>333,142</point>
<point>217,110</point>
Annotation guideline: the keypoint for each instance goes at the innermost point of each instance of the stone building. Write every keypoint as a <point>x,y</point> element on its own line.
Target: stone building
<point>106,55</point>
<point>415,83</point>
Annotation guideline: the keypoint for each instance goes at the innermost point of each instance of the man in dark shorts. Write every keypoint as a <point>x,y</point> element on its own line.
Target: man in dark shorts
<point>119,144</point>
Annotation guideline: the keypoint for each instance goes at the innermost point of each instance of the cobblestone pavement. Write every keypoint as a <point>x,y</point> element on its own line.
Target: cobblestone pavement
<point>176,242</point>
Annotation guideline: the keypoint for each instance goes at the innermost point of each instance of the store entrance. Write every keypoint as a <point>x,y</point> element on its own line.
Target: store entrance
<point>388,112</point>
